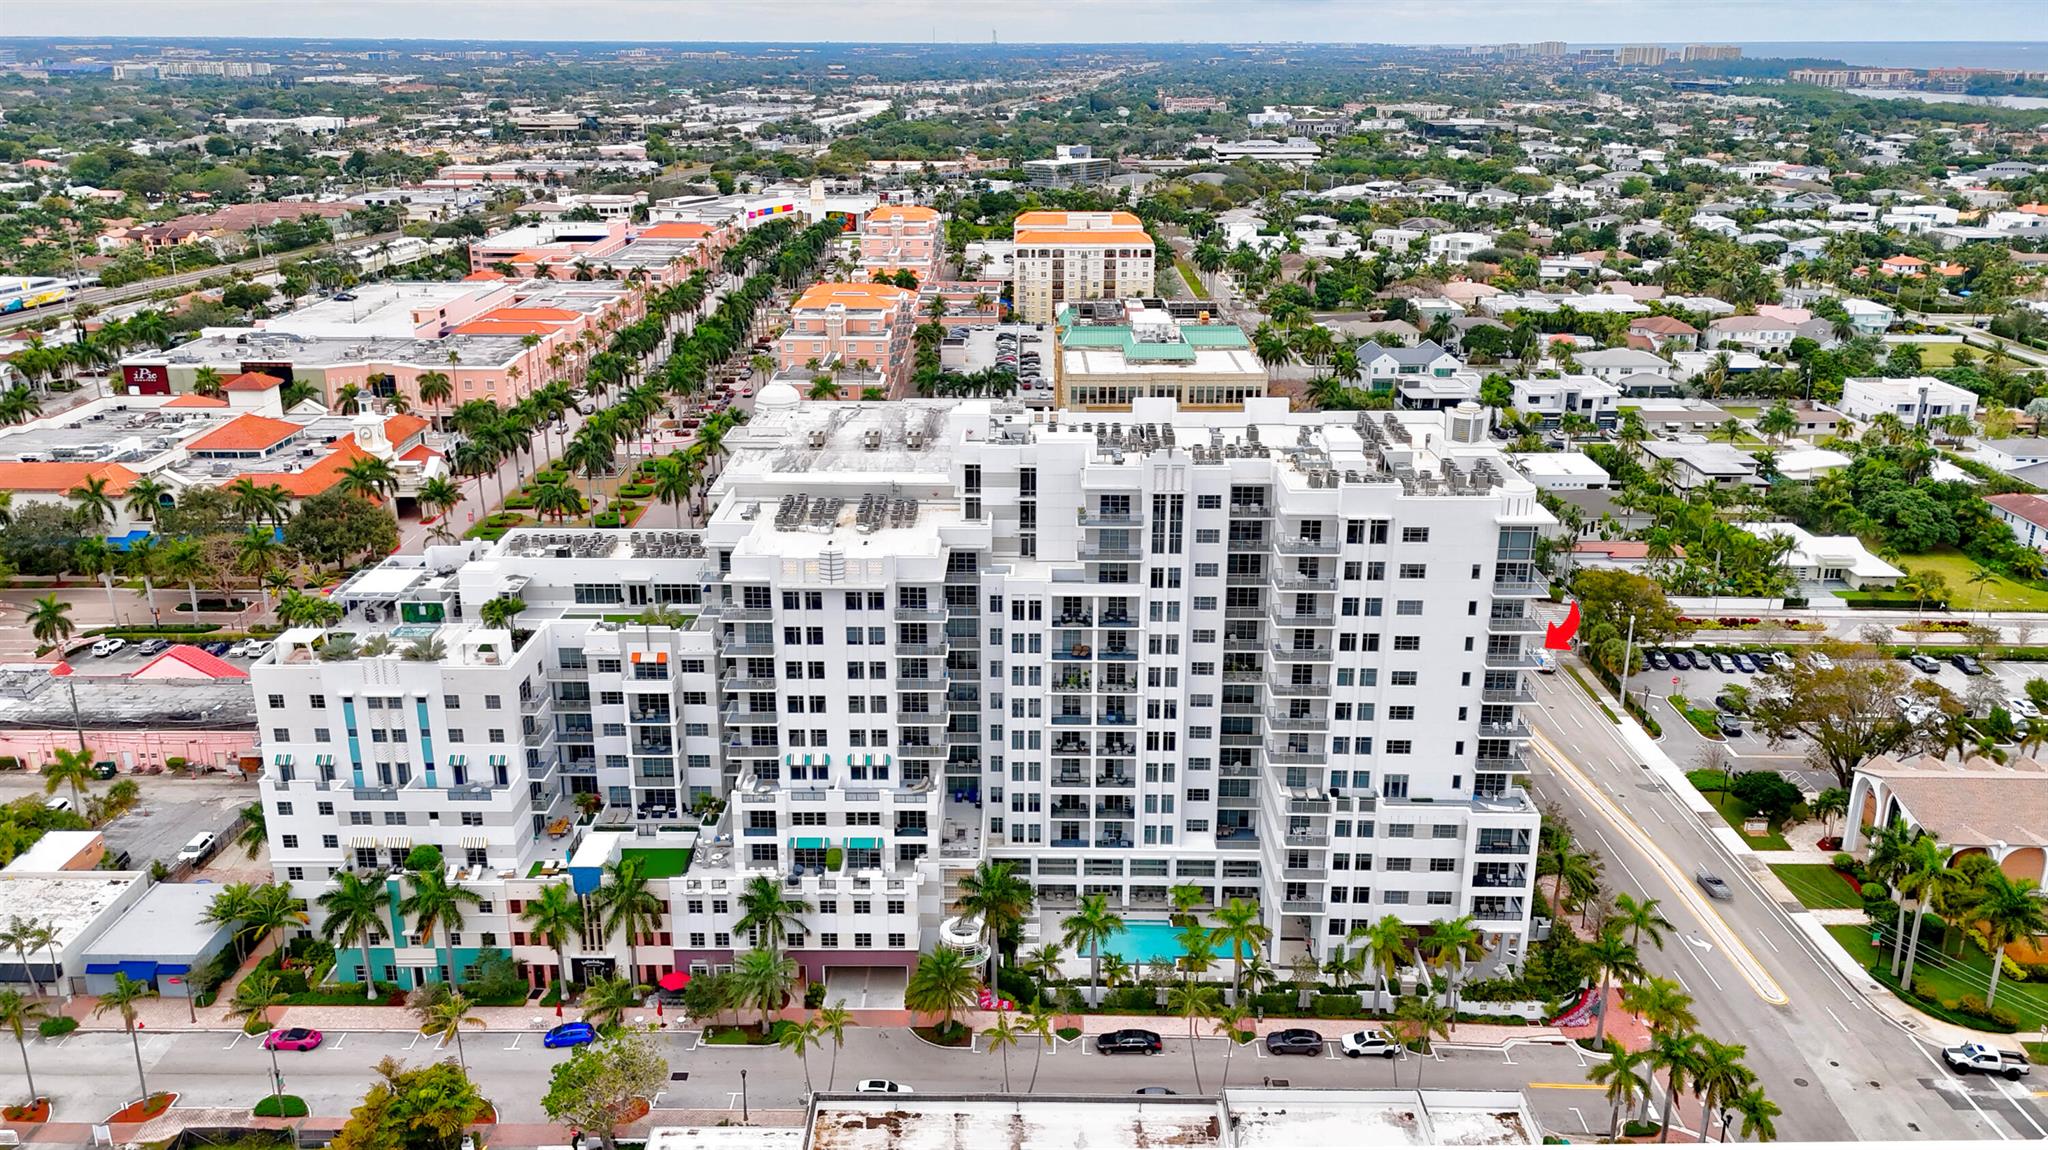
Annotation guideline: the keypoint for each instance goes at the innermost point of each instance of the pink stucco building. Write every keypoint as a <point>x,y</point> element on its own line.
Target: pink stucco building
<point>839,326</point>
<point>900,237</point>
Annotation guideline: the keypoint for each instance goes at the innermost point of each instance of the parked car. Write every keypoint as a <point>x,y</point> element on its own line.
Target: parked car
<point>1966,664</point>
<point>296,1038</point>
<point>1129,1042</point>
<point>1743,663</point>
<point>1370,1044</point>
<point>1924,664</point>
<point>256,648</point>
<point>1722,664</point>
<point>880,1086</point>
<point>1681,660</point>
<point>1657,661</point>
<point>1729,727</point>
<point>152,647</point>
<point>2022,708</point>
<point>215,648</point>
<point>106,647</point>
<point>569,1034</point>
<point>1821,661</point>
<point>1781,660</point>
<point>1294,1040</point>
<point>1975,1057</point>
<point>1727,703</point>
<point>196,850</point>
<point>1713,884</point>
<point>240,650</point>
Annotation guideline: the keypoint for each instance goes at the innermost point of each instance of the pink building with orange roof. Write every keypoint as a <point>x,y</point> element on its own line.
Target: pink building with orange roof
<point>900,237</point>
<point>839,326</point>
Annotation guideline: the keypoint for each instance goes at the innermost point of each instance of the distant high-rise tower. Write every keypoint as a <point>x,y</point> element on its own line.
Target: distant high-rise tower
<point>1698,52</point>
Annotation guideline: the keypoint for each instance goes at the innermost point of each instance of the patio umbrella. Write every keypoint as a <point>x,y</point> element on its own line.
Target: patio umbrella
<point>674,980</point>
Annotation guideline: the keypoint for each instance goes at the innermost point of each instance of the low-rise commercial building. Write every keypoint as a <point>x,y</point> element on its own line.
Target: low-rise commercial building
<point>1112,352</point>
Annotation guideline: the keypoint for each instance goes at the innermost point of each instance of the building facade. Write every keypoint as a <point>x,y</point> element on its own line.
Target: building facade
<point>1067,256</point>
<point>1272,655</point>
<point>900,238</point>
<point>859,333</point>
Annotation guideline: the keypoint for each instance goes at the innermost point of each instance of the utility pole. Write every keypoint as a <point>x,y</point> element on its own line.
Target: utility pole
<point>1627,655</point>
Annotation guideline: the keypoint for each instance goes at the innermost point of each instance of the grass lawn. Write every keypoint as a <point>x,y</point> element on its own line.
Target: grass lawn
<point>2001,594</point>
<point>1817,885</point>
<point>1739,410</point>
<point>1707,723</point>
<point>658,862</point>
<point>1192,279</point>
<point>1950,978</point>
<point>1732,811</point>
<point>1933,355</point>
<point>2037,1052</point>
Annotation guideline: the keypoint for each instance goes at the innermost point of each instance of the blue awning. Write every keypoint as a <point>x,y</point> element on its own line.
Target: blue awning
<point>173,968</point>
<point>103,968</point>
<point>139,971</point>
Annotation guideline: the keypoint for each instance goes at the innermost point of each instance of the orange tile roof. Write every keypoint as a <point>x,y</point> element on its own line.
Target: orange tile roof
<point>484,274</point>
<point>1082,236</point>
<point>1903,261</point>
<point>1055,219</point>
<point>62,477</point>
<point>853,295</point>
<point>908,213</point>
<point>315,479</point>
<point>246,433</point>
<point>517,312</point>
<point>675,230</point>
<point>400,428</point>
<point>194,399</point>
<point>420,454</point>
<point>252,381</point>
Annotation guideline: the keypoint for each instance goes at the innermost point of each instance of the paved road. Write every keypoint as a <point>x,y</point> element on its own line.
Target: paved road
<point>88,1074</point>
<point>1839,1068</point>
<point>140,289</point>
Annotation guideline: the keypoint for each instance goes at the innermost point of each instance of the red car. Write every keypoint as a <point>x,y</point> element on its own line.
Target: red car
<point>297,1038</point>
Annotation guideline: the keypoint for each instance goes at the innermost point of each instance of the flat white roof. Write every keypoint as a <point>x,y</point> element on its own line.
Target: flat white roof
<point>910,1122</point>
<point>1576,464</point>
<point>70,900</point>
<point>384,309</point>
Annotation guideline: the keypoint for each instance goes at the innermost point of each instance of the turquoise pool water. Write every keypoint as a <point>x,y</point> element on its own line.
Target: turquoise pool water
<point>1142,941</point>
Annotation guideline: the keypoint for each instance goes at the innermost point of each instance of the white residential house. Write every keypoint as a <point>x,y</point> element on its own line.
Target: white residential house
<point>2010,455</point>
<point>1821,561</point>
<point>1595,399</point>
<point>1615,364</point>
<point>1457,247</point>
<point>1870,318</point>
<point>1915,400</point>
<point>2027,515</point>
<point>1396,240</point>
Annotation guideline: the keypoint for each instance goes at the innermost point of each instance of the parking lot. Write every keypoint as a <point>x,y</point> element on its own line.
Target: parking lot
<point>977,348</point>
<point>170,813</point>
<point>134,653</point>
<point>1751,750</point>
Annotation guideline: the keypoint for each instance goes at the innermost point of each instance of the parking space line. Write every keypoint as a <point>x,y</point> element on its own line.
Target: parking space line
<point>339,1039</point>
<point>237,1042</point>
<point>515,1041</point>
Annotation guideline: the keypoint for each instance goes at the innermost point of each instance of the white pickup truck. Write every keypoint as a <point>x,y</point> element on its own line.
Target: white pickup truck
<point>1975,1056</point>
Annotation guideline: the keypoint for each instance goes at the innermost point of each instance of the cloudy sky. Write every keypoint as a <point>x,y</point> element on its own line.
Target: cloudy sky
<point>1098,21</point>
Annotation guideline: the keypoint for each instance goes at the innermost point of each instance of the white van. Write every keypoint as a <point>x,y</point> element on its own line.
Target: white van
<point>59,803</point>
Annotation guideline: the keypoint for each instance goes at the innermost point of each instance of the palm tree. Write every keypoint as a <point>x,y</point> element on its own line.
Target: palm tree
<point>1640,917</point>
<point>1924,860</point>
<point>1757,1112</point>
<point>943,983</point>
<point>801,1038</point>
<point>1720,1078</point>
<point>763,978</point>
<point>92,556</point>
<point>606,1000</point>
<point>253,830</point>
<point>20,935</point>
<point>369,478</point>
<point>445,1010</point>
<point>184,561</point>
<point>627,903</point>
<point>68,768</point>
<point>354,913</point>
<point>1660,1002</point>
<point>1001,900</point>
<point>17,1014</point>
<point>1386,947</point>
<point>555,917</point>
<point>1427,1018</point>
<point>1186,898</point>
<point>1038,1022</point>
<point>768,914</point>
<point>1572,867</point>
<point>1454,942</point>
<point>1239,929</point>
<point>1980,577</point>
<point>122,999</point>
<point>1675,1051</point>
<point>1626,1075</point>
<point>1001,1037</point>
<point>831,1022</point>
<point>1194,1002</point>
<point>1089,928</point>
<point>499,613</point>
<point>1042,962</point>
<point>435,904</point>
<point>434,389</point>
<point>2006,910</point>
<point>49,620</point>
<point>207,381</point>
<point>95,506</point>
<point>1614,957</point>
<point>254,997</point>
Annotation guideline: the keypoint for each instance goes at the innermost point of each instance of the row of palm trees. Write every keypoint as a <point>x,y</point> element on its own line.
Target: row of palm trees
<point>40,363</point>
<point>1977,899</point>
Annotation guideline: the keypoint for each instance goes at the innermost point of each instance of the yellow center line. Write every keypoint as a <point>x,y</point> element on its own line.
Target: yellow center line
<point>1743,959</point>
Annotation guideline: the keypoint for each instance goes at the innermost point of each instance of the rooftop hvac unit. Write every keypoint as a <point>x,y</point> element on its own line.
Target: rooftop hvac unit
<point>818,440</point>
<point>873,439</point>
<point>916,440</point>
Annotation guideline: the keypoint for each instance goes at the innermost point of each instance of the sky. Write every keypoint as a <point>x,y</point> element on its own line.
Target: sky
<point>1084,21</point>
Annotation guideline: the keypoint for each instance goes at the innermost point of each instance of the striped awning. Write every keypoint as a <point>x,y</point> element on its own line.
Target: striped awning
<point>323,760</point>
<point>282,760</point>
<point>810,844</point>
<point>458,760</point>
<point>864,844</point>
<point>498,760</point>
<point>361,841</point>
<point>475,842</point>
<point>403,842</point>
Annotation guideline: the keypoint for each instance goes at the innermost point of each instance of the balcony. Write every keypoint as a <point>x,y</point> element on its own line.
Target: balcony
<point>1306,839</point>
<point>1117,620</point>
<point>1305,546</point>
<point>1305,872</point>
<point>1503,729</point>
<point>1511,661</point>
<point>1072,720</point>
<point>1518,625</point>
<point>1282,721</point>
<point>1069,780</point>
<point>1110,552</point>
<point>1519,588</point>
<point>735,648</point>
<point>375,794</point>
<point>1517,845</point>
<point>1515,694</point>
<point>1302,906</point>
<point>1308,806</point>
<point>956,703</point>
<point>1251,579</point>
<point>1089,518</point>
<point>1243,643</point>
<point>1237,839</point>
<point>1237,802</point>
<point>1121,654</point>
<point>732,685</point>
<point>1121,782</point>
<point>1313,687</point>
<point>533,704</point>
<point>1302,654</point>
<point>1244,611</point>
<point>1515,881</point>
<point>1120,687</point>
<point>1310,619</point>
<point>1116,719</point>
<point>1237,772</point>
<point>921,650</point>
<point>910,684</point>
<point>1508,910</point>
<point>920,614</point>
<point>1114,811</point>
<point>1284,754</point>
<point>745,614</point>
<point>1296,581</point>
<point>912,832</point>
<point>1250,511</point>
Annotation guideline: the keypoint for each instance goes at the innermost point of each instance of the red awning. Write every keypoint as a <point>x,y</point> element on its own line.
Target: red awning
<point>674,980</point>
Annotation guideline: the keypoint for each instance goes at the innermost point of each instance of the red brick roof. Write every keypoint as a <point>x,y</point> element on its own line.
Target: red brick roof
<point>252,381</point>
<point>246,433</point>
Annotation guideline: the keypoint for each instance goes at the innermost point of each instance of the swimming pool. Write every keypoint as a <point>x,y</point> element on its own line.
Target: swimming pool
<point>1141,941</point>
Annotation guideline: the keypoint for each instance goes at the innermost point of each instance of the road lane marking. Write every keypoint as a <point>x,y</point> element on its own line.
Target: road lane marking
<point>1703,970</point>
<point>1745,962</point>
<point>235,1043</point>
<point>1766,936</point>
<point>1581,1118</point>
<point>1837,1018</point>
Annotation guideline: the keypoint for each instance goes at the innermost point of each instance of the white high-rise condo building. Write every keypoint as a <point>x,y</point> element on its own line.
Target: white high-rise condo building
<point>1271,655</point>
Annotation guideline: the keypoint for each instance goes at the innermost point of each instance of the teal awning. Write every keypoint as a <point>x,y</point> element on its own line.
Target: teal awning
<point>809,844</point>
<point>864,844</point>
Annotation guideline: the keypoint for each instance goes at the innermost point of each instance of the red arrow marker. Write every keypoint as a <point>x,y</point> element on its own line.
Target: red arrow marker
<point>1558,636</point>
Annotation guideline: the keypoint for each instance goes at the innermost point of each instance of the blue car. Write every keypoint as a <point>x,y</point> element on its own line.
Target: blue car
<point>570,1034</point>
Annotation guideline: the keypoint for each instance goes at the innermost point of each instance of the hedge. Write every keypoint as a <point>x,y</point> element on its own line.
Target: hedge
<point>56,1027</point>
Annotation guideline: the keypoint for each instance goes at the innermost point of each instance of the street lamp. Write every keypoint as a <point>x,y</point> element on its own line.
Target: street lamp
<point>743,1097</point>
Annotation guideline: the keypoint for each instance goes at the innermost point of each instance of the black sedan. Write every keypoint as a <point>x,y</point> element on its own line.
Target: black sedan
<point>1129,1042</point>
<point>1298,1040</point>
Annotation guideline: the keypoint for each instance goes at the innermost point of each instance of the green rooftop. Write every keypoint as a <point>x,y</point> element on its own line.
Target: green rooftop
<point>1119,336</point>
<point>659,862</point>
